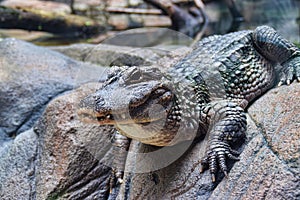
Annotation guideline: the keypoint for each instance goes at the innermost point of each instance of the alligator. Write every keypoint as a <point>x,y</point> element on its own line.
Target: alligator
<point>205,93</point>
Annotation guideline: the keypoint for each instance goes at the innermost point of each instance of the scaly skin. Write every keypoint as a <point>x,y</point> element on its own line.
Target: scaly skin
<point>205,93</point>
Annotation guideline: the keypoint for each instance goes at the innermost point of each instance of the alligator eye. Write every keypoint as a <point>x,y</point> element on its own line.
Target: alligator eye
<point>134,77</point>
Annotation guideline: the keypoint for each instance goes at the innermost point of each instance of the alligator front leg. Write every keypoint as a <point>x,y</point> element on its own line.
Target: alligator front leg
<point>270,44</point>
<point>227,125</point>
<point>120,149</point>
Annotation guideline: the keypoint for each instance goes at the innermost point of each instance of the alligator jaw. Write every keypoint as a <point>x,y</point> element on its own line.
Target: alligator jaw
<point>139,109</point>
<point>90,116</point>
<point>129,98</point>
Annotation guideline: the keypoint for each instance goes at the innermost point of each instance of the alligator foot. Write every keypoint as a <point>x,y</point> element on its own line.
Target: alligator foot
<point>228,124</point>
<point>290,71</point>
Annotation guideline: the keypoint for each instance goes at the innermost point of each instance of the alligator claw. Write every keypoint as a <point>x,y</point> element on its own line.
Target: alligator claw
<point>216,158</point>
<point>213,178</point>
<point>114,180</point>
<point>290,72</point>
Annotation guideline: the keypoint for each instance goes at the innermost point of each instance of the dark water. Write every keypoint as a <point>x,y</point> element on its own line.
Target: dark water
<point>283,15</point>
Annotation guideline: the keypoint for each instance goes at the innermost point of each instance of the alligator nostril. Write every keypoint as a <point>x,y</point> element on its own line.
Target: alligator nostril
<point>106,117</point>
<point>99,100</point>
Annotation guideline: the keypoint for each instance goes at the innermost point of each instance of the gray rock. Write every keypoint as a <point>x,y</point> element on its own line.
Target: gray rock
<point>30,77</point>
<point>37,5</point>
<point>109,55</point>
<point>17,167</point>
<point>74,158</point>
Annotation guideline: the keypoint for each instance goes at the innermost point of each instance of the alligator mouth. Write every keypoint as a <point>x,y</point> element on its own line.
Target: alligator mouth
<point>152,107</point>
<point>89,116</point>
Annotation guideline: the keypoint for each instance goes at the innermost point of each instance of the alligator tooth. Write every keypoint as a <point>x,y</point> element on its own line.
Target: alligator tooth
<point>123,116</point>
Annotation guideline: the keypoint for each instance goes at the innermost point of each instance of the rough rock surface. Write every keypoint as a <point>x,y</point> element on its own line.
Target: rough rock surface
<point>111,54</point>
<point>38,5</point>
<point>135,47</point>
<point>30,76</point>
<point>73,158</point>
<point>17,167</point>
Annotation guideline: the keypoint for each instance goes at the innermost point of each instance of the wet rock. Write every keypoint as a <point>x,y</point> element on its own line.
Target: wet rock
<point>74,158</point>
<point>30,77</point>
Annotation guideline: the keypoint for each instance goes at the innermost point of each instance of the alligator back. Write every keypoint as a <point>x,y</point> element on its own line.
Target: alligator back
<point>230,66</point>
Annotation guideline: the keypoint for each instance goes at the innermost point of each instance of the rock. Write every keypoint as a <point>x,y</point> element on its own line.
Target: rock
<point>109,55</point>
<point>141,49</point>
<point>119,22</point>
<point>23,34</point>
<point>149,37</point>
<point>74,158</point>
<point>30,77</point>
<point>17,167</point>
<point>280,123</point>
<point>38,5</point>
<point>156,21</point>
<point>76,51</point>
<point>118,3</point>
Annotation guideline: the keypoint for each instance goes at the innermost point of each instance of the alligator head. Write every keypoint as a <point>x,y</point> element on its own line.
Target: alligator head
<point>129,95</point>
<point>143,104</point>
